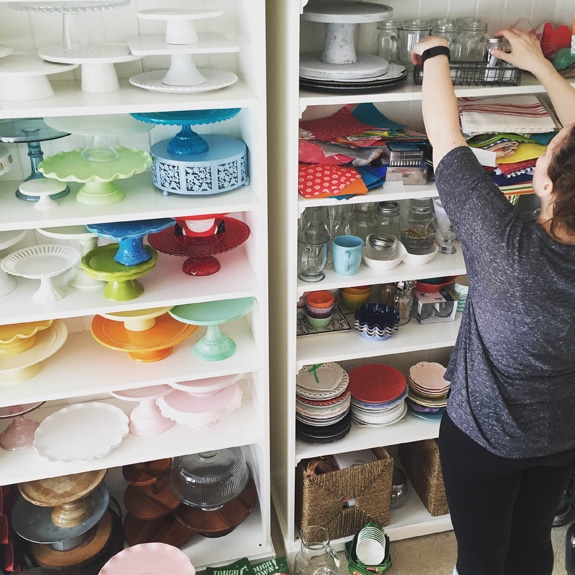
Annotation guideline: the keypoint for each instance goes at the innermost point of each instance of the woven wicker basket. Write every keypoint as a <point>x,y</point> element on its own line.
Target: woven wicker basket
<point>420,460</point>
<point>345,499</point>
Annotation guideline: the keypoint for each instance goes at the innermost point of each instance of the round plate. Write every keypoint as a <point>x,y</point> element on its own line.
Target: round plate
<point>376,383</point>
<point>63,6</point>
<point>81,432</point>
<point>212,312</point>
<point>109,53</point>
<point>366,67</point>
<point>325,377</point>
<point>106,125</point>
<point>215,80</point>
<point>150,558</point>
<point>206,386</point>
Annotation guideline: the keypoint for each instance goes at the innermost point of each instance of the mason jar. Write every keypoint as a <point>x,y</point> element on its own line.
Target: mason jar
<point>473,39</point>
<point>409,33</point>
<point>386,41</point>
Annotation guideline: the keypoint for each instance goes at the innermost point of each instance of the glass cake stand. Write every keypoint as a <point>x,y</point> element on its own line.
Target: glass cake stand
<point>31,131</point>
<point>146,335</point>
<point>200,250</point>
<point>20,433</point>
<point>213,345</point>
<point>191,164</point>
<point>146,418</point>
<point>87,240</point>
<point>130,237</point>
<point>100,164</point>
<point>121,281</point>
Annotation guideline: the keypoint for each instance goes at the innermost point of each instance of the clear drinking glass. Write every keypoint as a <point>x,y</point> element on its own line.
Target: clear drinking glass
<point>386,41</point>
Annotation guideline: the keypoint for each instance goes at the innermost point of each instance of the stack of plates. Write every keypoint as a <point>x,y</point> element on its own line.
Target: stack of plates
<point>461,287</point>
<point>323,403</point>
<point>378,394</point>
<point>428,390</point>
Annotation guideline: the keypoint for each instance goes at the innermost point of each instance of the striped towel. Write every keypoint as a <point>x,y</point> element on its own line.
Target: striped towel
<point>519,114</point>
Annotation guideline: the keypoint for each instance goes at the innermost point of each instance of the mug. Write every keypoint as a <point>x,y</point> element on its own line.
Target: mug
<point>347,254</point>
<point>311,261</point>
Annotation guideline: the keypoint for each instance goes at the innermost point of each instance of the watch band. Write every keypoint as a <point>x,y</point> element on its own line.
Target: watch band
<point>435,51</point>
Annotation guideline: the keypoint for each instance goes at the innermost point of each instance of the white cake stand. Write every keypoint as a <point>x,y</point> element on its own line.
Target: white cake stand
<point>7,240</point>
<point>24,77</point>
<point>88,241</point>
<point>97,64</point>
<point>181,43</point>
<point>341,20</point>
<point>42,188</point>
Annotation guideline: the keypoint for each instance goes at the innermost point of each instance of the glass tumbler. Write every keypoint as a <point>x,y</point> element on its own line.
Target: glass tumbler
<point>409,33</point>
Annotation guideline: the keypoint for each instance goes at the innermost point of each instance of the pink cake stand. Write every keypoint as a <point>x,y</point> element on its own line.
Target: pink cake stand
<point>20,433</point>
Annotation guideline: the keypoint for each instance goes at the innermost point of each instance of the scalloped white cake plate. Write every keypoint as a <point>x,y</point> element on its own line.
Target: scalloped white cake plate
<point>81,432</point>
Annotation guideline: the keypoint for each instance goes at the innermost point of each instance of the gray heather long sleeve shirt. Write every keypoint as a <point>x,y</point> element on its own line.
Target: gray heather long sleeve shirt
<point>512,370</point>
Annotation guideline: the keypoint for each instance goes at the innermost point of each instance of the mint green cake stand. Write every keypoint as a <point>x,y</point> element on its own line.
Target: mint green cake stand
<point>213,345</point>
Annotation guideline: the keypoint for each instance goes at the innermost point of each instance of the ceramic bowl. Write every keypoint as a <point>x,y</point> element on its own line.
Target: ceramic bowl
<point>319,313</point>
<point>433,285</point>
<point>319,299</point>
<point>419,260</point>
<point>353,302</point>
<point>319,322</point>
<point>356,290</point>
<point>382,265</point>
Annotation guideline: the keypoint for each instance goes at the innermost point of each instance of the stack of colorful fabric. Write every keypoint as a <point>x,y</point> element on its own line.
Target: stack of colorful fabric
<point>516,129</point>
<point>341,155</point>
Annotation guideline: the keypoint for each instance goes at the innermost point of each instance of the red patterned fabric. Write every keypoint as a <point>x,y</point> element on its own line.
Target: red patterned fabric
<point>342,123</point>
<point>323,181</point>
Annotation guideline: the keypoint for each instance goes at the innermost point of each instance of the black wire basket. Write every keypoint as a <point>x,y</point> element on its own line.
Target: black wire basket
<point>477,74</point>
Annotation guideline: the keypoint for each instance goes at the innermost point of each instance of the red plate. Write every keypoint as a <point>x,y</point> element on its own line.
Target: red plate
<point>376,383</point>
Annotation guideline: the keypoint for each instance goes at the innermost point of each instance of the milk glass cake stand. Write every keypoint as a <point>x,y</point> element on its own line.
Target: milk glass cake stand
<point>146,335</point>
<point>31,131</point>
<point>7,240</point>
<point>181,42</point>
<point>87,240</point>
<point>213,345</point>
<point>130,237</point>
<point>20,433</point>
<point>192,164</point>
<point>99,164</point>
<point>43,262</point>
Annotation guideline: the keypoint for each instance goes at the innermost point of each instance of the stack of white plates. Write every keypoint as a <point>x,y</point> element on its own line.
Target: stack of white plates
<point>322,403</point>
<point>378,394</point>
<point>428,390</point>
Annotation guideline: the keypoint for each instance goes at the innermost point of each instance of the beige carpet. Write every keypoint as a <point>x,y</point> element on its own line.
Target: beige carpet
<point>435,554</point>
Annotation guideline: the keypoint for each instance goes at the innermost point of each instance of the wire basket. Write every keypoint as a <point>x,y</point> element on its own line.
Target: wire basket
<point>477,74</point>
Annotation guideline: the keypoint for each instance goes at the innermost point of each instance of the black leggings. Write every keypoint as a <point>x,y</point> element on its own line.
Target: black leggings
<point>502,509</point>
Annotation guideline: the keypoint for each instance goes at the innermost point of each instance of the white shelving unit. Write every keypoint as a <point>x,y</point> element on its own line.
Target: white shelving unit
<point>83,369</point>
<point>288,35</point>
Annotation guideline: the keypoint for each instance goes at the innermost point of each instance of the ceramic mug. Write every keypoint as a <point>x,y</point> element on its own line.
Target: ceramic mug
<point>347,254</point>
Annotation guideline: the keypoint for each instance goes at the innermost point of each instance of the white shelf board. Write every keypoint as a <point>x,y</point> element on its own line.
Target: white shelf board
<point>165,284</point>
<point>84,367</point>
<point>142,201</point>
<point>408,91</point>
<point>345,345</point>
<point>410,428</point>
<point>389,191</point>
<point>441,265</point>
<point>69,100</point>
<point>244,541</point>
<point>242,427</point>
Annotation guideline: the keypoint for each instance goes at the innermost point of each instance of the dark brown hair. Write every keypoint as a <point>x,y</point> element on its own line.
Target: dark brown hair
<point>561,171</point>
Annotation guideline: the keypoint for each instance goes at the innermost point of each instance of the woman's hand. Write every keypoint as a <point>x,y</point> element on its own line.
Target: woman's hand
<point>423,45</point>
<point>525,51</point>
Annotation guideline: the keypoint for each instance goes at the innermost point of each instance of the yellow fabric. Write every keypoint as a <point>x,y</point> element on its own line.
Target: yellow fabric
<point>525,151</point>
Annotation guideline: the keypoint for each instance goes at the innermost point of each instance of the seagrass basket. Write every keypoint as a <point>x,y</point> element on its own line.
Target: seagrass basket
<point>345,499</point>
<point>420,460</point>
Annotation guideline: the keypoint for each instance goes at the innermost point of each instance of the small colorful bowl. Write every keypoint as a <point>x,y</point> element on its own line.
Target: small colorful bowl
<point>319,323</point>
<point>320,299</point>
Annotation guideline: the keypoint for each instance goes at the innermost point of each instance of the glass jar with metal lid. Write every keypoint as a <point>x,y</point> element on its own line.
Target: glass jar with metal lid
<point>381,246</point>
<point>387,215</point>
<point>386,41</point>
<point>447,28</point>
